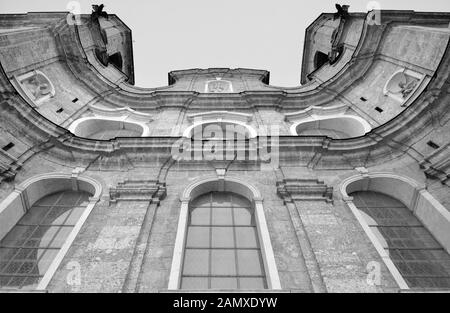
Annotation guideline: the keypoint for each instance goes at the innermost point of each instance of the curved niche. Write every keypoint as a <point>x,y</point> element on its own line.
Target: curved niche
<point>342,127</point>
<point>105,129</point>
<point>220,125</point>
<point>210,130</point>
<point>334,122</point>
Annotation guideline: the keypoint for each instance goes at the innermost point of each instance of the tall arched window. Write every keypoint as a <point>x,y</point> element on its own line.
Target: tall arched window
<point>403,84</point>
<point>37,86</point>
<point>38,222</point>
<point>28,250</point>
<point>220,131</point>
<point>222,239</point>
<point>222,247</point>
<point>420,259</point>
<point>407,226</point>
<point>105,130</point>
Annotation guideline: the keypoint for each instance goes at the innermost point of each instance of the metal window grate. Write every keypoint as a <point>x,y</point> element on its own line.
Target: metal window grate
<point>27,251</point>
<point>420,259</point>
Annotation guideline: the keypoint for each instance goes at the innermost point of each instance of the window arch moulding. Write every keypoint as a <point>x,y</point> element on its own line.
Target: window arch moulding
<point>434,217</point>
<point>218,86</point>
<point>25,195</point>
<point>334,117</point>
<point>233,185</point>
<point>114,118</point>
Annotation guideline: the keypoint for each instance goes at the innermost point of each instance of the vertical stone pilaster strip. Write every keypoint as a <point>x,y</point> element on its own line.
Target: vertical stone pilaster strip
<point>315,276</point>
<point>131,281</point>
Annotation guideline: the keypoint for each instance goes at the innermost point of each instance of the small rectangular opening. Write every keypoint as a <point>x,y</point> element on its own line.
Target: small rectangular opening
<point>379,109</point>
<point>9,146</point>
<point>59,110</point>
<point>433,145</point>
<point>75,100</point>
<point>363,99</point>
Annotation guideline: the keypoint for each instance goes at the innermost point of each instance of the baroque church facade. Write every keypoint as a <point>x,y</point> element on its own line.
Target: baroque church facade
<point>219,180</point>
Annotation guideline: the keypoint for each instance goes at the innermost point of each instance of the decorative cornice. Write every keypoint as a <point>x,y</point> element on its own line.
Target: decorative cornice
<point>138,190</point>
<point>437,165</point>
<point>304,190</point>
<point>124,112</point>
<point>214,115</point>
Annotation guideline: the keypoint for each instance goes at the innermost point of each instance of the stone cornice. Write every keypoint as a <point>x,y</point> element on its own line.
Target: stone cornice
<point>138,190</point>
<point>390,140</point>
<point>437,165</point>
<point>304,190</point>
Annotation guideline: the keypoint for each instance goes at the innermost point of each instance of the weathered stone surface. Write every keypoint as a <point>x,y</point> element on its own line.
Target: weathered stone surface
<point>127,242</point>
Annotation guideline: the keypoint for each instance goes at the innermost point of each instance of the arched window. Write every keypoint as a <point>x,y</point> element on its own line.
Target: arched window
<point>419,258</point>
<point>222,248</point>
<point>220,131</point>
<point>40,219</point>
<point>406,224</point>
<point>222,239</point>
<point>28,250</point>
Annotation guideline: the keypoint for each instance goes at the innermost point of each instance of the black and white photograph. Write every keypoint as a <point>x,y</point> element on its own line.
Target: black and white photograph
<point>218,155</point>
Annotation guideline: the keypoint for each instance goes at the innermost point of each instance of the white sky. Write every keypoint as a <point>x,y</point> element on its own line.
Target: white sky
<point>180,34</point>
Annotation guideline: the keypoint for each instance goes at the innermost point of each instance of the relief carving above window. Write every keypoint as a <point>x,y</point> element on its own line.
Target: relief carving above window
<point>402,84</point>
<point>219,86</point>
<point>37,86</point>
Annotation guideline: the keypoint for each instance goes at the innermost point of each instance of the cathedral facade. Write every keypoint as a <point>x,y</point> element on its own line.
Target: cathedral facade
<point>219,180</point>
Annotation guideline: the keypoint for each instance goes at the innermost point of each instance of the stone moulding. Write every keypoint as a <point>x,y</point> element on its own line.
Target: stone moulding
<point>123,115</point>
<point>221,182</point>
<point>44,88</point>
<point>437,165</point>
<point>34,188</point>
<point>304,190</point>
<point>241,117</point>
<point>424,206</point>
<point>316,113</point>
<point>124,111</point>
<point>218,86</point>
<point>138,190</point>
<point>316,110</point>
<point>238,118</point>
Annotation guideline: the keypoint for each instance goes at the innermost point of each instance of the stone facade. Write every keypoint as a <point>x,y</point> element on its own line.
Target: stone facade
<point>127,242</point>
